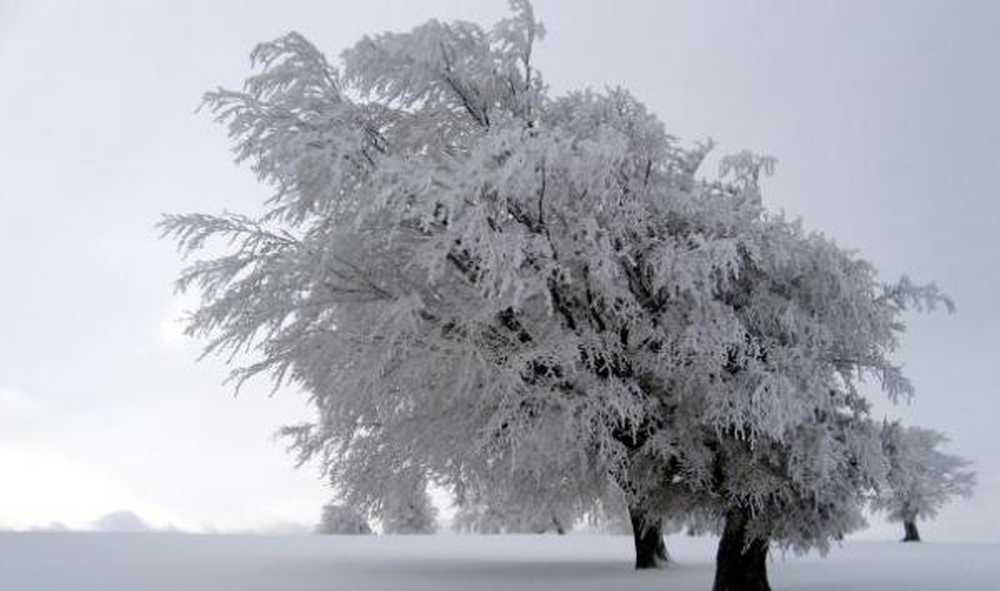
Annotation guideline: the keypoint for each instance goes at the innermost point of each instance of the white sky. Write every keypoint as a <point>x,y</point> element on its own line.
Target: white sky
<point>885,118</point>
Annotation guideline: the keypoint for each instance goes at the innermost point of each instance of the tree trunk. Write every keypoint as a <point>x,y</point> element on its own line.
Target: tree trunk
<point>910,527</point>
<point>647,532</point>
<point>558,525</point>
<point>741,564</point>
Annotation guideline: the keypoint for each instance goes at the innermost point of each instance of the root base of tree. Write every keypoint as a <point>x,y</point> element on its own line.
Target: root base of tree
<point>912,533</point>
<point>740,565</point>
<point>650,549</point>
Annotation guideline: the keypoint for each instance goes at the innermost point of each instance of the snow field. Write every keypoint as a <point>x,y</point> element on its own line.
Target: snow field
<point>160,562</point>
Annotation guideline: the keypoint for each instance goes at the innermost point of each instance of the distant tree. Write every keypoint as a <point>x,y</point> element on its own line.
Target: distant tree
<point>341,519</point>
<point>610,517</point>
<point>406,507</point>
<point>520,503</point>
<point>921,479</point>
<point>479,518</point>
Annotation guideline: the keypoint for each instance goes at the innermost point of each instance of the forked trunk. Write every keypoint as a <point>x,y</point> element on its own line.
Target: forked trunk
<point>741,564</point>
<point>912,534</point>
<point>647,532</point>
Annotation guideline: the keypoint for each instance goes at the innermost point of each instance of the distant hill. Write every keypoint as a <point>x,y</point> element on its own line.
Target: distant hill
<point>121,521</point>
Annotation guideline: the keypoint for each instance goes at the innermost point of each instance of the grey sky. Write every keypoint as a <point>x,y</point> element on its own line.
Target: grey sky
<point>885,118</point>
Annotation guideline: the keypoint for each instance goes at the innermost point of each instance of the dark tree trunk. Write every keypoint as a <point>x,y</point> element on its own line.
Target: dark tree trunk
<point>912,534</point>
<point>647,532</point>
<point>741,564</point>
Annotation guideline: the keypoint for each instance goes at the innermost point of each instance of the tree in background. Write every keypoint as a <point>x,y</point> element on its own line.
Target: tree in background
<point>406,507</point>
<point>481,518</point>
<point>922,479</point>
<point>341,519</point>
<point>521,502</point>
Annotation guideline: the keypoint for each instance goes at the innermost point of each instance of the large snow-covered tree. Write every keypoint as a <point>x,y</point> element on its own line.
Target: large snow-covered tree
<point>462,271</point>
<point>922,478</point>
<point>474,281</point>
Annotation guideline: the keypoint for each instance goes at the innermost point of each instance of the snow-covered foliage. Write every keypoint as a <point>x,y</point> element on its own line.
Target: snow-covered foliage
<point>514,293</point>
<point>453,264</point>
<point>341,519</point>
<point>922,478</point>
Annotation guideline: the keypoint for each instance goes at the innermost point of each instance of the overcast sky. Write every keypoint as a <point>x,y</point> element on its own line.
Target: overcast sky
<point>885,118</point>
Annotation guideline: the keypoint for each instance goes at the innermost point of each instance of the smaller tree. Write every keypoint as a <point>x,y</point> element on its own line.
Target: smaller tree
<point>522,501</point>
<point>921,478</point>
<point>479,518</point>
<point>483,518</point>
<point>342,520</point>
<point>406,508</point>
<point>610,514</point>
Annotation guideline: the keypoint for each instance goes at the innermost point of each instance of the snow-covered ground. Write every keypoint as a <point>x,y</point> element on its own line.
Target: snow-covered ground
<point>155,562</point>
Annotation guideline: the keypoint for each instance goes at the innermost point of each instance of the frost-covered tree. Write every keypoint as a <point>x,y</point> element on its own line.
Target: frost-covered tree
<point>340,519</point>
<point>474,281</point>
<point>521,502</point>
<point>922,478</point>
<point>406,507</point>
<point>463,272</point>
<point>794,453</point>
<point>610,516</point>
<point>482,518</point>
<point>479,518</point>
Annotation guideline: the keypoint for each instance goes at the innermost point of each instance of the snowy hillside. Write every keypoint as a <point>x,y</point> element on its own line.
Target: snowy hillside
<point>155,562</point>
